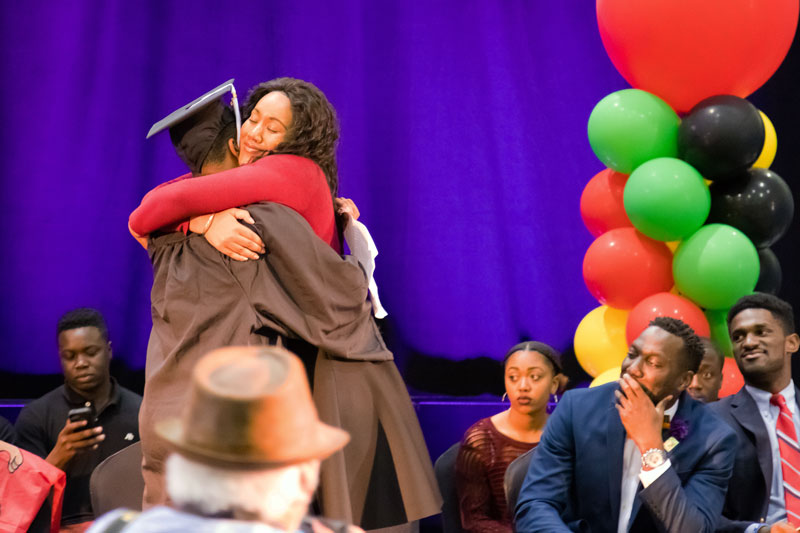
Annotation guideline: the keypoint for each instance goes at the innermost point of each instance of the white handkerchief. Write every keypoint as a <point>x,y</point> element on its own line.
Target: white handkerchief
<point>363,248</point>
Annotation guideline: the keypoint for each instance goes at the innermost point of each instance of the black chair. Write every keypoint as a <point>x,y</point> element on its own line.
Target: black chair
<point>117,481</point>
<point>445,470</point>
<point>515,475</point>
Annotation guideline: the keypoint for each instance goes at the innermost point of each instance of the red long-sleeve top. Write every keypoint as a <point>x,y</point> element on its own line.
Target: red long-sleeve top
<point>293,181</point>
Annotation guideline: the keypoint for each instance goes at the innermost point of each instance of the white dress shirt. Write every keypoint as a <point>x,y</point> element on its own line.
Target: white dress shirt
<point>769,414</point>
<point>632,474</point>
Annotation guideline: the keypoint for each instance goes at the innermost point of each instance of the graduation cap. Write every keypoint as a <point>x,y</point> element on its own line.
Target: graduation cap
<point>196,127</point>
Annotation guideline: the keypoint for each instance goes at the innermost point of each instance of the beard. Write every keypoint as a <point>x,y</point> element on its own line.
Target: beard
<point>653,398</point>
<point>650,395</point>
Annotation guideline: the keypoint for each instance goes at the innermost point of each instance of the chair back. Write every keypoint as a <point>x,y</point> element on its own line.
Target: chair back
<point>445,470</point>
<point>514,476</point>
<point>117,481</point>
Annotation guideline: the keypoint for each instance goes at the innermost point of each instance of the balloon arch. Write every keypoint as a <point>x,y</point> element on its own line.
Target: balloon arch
<point>685,212</point>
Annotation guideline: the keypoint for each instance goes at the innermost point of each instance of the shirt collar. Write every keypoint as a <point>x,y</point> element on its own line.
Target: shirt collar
<point>75,399</point>
<point>669,413</point>
<point>762,397</point>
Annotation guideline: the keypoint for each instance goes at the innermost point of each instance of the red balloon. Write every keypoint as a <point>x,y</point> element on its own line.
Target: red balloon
<point>622,267</point>
<point>732,379</point>
<point>665,304</point>
<point>684,50</point>
<point>601,202</point>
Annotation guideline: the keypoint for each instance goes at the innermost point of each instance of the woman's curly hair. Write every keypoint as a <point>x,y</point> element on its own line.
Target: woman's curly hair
<point>314,131</point>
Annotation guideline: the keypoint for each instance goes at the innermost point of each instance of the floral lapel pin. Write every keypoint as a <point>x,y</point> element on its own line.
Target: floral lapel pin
<point>678,430</point>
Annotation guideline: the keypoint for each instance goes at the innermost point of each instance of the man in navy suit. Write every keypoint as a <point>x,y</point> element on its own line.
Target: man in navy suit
<point>604,465</point>
<point>763,335</point>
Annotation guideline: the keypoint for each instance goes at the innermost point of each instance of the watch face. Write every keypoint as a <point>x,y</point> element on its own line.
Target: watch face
<point>654,458</point>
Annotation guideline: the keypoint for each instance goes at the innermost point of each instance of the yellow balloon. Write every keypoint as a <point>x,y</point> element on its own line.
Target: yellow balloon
<point>673,245</point>
<point>600,339</point>
<point>770,144</point>
<point>612,374</point>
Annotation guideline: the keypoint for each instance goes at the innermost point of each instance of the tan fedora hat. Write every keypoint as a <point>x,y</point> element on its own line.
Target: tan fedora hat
<point>251,407</point>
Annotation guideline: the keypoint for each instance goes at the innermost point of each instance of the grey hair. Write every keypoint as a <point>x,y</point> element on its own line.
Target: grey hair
<point>265,493</point>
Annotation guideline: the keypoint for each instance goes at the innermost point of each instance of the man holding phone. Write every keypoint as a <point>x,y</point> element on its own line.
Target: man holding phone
<point>76,426</point>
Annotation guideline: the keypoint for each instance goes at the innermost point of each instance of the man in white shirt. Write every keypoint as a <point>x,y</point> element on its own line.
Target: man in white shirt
<point>605,464</point>
<point>761,496</point>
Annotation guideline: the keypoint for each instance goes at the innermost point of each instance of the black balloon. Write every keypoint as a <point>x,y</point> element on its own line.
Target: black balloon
<point>758,202</point>
<point>721,136</point>
<point>770,277</point>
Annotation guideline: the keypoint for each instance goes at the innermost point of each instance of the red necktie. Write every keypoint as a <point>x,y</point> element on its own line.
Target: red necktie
<point>790,459</point>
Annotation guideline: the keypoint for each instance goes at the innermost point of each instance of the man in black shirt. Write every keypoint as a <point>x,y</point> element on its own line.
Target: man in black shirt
<point>7,433</point>
<point>78,447</point>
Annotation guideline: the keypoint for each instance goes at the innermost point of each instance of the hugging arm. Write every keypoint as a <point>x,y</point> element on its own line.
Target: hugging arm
<point>224,232</point>
<point>285,179</point>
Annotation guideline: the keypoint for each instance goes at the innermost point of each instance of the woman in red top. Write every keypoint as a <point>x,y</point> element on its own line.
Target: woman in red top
<point>532,375</point>
<point>386,476</point>
<point>292,123</point>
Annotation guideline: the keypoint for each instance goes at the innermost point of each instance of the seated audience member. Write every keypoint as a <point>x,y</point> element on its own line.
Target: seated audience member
<point>601,443</point>
<point>7,433</point>
<point>247,450</point>
<point>763,494</point>
<point>532,372</point>
<point>43,426</point>
<point>708,379</point>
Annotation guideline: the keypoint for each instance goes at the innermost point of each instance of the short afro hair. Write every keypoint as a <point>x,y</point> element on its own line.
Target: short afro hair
<point>83,317</point>
<point>692,346</point>
<point>219,148</point>
<point>780,309</point>
<point>710,345</point>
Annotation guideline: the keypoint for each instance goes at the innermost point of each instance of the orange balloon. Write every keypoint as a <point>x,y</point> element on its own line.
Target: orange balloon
<point>732,379</point>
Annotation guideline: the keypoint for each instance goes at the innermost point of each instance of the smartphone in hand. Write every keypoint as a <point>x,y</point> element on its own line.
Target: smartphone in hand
<point>83,413</point>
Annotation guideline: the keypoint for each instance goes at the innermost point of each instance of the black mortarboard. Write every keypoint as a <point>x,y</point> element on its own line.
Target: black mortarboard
<point>195,127</point>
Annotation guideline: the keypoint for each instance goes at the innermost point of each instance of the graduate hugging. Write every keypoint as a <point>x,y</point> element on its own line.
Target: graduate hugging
<point>247,250</point>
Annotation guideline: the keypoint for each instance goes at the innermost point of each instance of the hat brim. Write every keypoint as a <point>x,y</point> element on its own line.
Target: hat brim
<point>326,440</point>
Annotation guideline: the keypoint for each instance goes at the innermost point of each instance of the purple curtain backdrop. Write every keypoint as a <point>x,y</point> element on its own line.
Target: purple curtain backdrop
<point>463,143</point>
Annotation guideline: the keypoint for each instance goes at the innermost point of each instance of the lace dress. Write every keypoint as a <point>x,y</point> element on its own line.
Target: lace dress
<point>483,457</point>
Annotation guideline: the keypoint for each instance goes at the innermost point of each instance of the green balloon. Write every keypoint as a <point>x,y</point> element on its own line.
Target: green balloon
<point>718,322</point>
<point>716,266</point>
<point>666,199</point>
<point>629,127</point>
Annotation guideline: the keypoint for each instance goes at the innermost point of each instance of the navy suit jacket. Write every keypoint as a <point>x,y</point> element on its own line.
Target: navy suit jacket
<point>575,476</point>
<point>748,494</point>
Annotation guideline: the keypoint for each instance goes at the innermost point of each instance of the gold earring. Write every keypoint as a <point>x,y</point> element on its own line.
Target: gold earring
<point>505,396</point>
